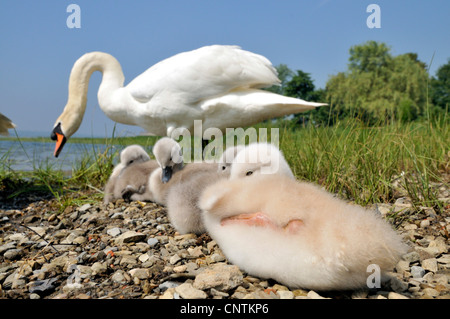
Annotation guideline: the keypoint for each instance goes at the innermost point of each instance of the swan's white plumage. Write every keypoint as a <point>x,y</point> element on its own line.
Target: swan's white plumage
<point>217,84</point>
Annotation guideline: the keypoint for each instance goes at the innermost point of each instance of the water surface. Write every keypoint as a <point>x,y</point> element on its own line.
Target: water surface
<point>28,156</point>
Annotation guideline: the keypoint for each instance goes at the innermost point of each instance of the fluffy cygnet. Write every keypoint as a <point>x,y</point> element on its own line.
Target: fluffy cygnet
<point>272,226</point>
<point>129,155</point>
<point>172,171</point>
<point>259,158</point>
<point>227,158</point>
<point>182,200</point>
<point>132,182</point>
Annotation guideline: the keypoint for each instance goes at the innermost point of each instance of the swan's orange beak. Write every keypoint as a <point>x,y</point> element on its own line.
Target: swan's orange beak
<point>58,136</point>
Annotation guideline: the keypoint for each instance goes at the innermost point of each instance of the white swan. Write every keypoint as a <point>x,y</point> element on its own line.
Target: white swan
<point>216,84</point>
<point>5,124</point>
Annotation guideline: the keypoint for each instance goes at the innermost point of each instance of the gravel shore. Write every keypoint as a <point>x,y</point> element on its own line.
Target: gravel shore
<point>129,250</point>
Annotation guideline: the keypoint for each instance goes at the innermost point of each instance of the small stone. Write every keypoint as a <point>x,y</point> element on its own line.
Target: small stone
<point>152,241</point>
<point>219,276</point>
<point>34,296</point>
<point>187,291</point>
<point>402,265</point>
<point>143,258</point>
<point>119,277</point>
<point>139,273</point>
<point>84,208</point>
<point>417,272</point>
<point>7,246</point>
<point>113,232</point>
<point>179,269</point>
<point>13,254</point>
<point>424,223</point>
<point>314,295</point>
<point>430,264</point>
<point>98,268</point>
<point>394,295</point>
<point>411,257</point>
<point>43,286</point>
<point>195,252</point>
<point>174,259</point>
<point>431,292</point>
<point>285,294</point>
<point>167,285</point>
<point>130,237</point>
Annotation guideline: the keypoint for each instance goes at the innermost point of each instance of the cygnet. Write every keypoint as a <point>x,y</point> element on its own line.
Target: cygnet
<point>129,155</point>
<point>272,226</point>
<point>259,158</point>
<point>172,171</point>
<point>227,158</point>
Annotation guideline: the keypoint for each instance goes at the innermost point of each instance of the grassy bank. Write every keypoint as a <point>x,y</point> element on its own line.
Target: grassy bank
<point>364,164</point>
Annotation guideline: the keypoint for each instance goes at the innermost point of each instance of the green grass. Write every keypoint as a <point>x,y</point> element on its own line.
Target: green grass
<point>358,163</point>
<point>362,163</point>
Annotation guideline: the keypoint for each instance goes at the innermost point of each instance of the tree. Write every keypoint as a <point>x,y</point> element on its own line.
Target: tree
<point>440,86</point>
<point>284,74</point>
<point>378,86</point>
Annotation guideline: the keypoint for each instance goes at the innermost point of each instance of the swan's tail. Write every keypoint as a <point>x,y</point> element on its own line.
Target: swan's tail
<point>247,107</point>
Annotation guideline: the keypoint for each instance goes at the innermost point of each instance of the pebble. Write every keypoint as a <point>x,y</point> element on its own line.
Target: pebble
<point>187,291</point>
<point>129,237</point>
<point>219,276</point>
<point>113,232</point>
<point>417,272</point>
<point>152,242</point>
<point>430,264</point>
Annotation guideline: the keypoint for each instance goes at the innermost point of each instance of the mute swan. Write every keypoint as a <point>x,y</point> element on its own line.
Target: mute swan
<point>218,84</point>
<point>272,226</point>
<point>5,124</point>
<point>129,155</point>
<point>259,158</point>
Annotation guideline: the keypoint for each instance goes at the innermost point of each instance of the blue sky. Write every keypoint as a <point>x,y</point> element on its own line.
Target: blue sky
<point>37,49</point>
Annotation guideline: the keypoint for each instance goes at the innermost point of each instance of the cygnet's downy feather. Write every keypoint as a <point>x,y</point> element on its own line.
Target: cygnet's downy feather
<point>130,155</point>
<point>272,226</point>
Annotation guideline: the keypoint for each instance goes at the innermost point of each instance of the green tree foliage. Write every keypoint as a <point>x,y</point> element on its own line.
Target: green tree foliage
<point>378,86</point>
<point>440,86</point>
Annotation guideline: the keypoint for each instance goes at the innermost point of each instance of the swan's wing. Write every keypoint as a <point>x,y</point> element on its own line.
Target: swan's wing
<point>5,124</point>
<point>203,73</point>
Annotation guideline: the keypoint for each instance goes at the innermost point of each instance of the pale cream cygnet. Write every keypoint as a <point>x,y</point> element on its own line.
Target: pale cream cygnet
<point>272,226</point>
<point>259,158</point>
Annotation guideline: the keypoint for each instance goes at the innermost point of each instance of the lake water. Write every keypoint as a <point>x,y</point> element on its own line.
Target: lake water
<point>27,156</point>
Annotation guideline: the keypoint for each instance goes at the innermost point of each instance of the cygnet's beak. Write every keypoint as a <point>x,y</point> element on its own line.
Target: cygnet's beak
<point>58,136</point>
<point>166,174</point>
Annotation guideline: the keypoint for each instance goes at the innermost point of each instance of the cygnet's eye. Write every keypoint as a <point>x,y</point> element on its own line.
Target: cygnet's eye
<point>249,173</point>
<point>130,162</point>
<point>224,167</point>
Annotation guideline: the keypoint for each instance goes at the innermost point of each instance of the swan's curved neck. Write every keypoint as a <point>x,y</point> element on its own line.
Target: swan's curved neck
<point>82,70</point>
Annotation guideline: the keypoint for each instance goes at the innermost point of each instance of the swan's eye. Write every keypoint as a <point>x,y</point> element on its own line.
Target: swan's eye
<point>249,173</point>
<point>130,162</point>
<point>224,168</point>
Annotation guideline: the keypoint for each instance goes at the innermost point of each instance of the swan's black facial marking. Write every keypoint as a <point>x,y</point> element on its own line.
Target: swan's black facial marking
<point>58,136</point>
